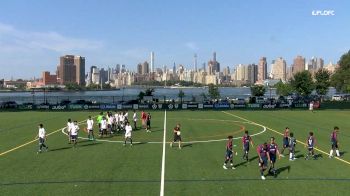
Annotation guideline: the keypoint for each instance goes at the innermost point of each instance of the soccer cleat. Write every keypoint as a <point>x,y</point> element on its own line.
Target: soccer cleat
<point>233,167</point>
<point>131,145</point>
<point>231,164</point>
<point>171,145</point>
<point>291,159</point>
<point>224,166</point>
<point>263,178</point>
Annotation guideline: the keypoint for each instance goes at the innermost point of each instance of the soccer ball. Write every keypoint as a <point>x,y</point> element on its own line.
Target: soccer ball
<point>178,133</point>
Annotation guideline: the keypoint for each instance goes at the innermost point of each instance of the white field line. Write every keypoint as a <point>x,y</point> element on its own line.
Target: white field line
<point>163,159</point>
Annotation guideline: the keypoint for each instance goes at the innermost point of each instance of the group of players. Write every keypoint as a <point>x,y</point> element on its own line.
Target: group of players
<point>269,152</point>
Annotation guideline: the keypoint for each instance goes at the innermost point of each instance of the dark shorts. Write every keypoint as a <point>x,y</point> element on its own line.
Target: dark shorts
<point>246,148</point>
<point>228,154</point>
<point>73,137</point>
<point>334,144</point>
<point>285,142</point>
<point>149,123</point>
<point>263,163</point>
<point>41,140</point>
<point>177,138</point>
<point>310,148</point>
<point>273,158</point>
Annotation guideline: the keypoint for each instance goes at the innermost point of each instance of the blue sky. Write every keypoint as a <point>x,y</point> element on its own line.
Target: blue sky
<point>34,33</point>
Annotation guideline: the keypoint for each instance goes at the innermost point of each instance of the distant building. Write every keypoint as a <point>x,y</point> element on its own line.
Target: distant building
<point>49,79</point>
<point>279,69</point>
<point>145,67</point>
<point>71,70</point>
<point>298,64</point>
<point>262,70</point>
<point>213,65</point>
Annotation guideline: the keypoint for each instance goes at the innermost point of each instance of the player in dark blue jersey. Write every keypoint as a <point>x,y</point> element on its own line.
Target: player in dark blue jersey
<point>273,153</point>
<point>264,157</point>
<point>246,140</point>
<point>229,153</point>
<point>310,144</point>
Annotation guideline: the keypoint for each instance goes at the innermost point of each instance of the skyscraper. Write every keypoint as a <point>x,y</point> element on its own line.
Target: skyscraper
<point>298,64</point>
<point>279,69</point>
<point>79,62</point>
<point>213,65</point>
<point>195,62</point>
<point>71,70</point>
<point>152,62</point>
<point>145,67</point>
<point>262,70</point>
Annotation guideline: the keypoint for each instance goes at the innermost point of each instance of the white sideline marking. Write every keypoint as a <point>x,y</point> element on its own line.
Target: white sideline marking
<point>163,159</point>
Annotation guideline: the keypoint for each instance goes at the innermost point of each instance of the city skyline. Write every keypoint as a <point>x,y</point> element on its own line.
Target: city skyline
<point>32,38</point>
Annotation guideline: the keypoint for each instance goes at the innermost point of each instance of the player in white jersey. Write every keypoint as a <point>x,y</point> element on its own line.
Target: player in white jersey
<point>134,118</point>
<point>128,130</point>
<point>69,127</point>
<point>90,128</point>
<point>126,116</point>
<point>122,121</point>
<point>74,133</point>
<point>104,126</point>
<point>42,137</point>
<point>110,123</point>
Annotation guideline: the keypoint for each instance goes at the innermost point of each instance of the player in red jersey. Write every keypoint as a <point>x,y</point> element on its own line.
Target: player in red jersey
<point>229,153</point>
<point>246,139</point>
<point>264,157</point>
<point>285,140</point>
<point>334,142</point>
<point>143,119</point>
<point>273,154</point>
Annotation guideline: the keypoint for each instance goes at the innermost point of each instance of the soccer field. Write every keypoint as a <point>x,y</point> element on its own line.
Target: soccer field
<point>106,167</point>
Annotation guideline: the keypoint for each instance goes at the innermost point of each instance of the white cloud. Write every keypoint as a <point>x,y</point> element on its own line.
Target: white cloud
<point>191,45</point>
<point>15,40</point>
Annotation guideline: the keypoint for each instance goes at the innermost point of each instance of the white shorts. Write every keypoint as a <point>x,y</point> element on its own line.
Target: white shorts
<point>128,135</point>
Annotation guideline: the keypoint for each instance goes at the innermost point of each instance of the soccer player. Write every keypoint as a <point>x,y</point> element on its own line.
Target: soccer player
<point>310,144</point>
<point>334,142</point>
<point>148,122</point>
<point>69,127</point>
<point>90,128</point>
<point>99,120</point>
<point>273,152</point>
<point>110,121</point>
<point>291,143</point>
<point>285,140</point>
<point>246,139</point>
<point>229,153</point>
<point>103,126</point>
<point>311,106</point>
<point>42,137</point>
<point>128,130</point>
<point>74,133</point>
<point>263,158</point>
<point>143,119</point>
<point>126,115</point>
<point>177,136</point>
<point>134,117</point>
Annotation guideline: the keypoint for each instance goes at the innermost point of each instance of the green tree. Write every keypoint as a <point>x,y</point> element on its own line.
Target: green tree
<point>149,92</point>
<point>323,82</point>
<point>283,89</point>
<point>341,78</point>
<point>302,83</point>
<point>213,91</point>
<point>258,90</point>
<point>141,95</point>
<point>73,86</point>
<point>181,95</point>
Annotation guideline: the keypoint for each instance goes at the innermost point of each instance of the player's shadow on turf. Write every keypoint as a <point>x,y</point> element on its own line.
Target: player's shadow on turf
<point>245,162</point>
<point>139,143</point>
<point>90,144</point>
<point>342,153</point>
<point>58,149</point>
<point>299,156</point>
<point>186,145</point>
<point>282,169</point>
